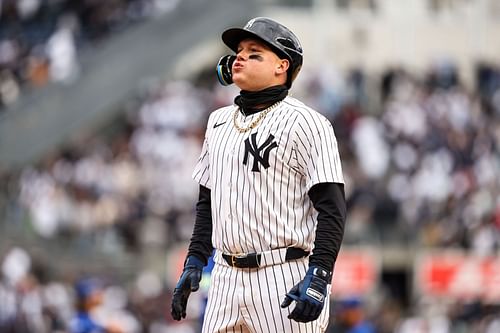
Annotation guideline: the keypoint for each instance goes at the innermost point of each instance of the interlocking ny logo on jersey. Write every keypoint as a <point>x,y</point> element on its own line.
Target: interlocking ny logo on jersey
<point>252,148</point>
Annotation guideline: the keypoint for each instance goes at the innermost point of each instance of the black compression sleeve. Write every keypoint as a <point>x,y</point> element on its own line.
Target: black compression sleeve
<point>329,200</point>
<point>201,240</point>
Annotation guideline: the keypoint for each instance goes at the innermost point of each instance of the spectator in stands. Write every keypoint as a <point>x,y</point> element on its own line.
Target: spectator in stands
<point>62,53</point>
<point>88,297</point>
<point>9,88</point>
<point>351,317</point>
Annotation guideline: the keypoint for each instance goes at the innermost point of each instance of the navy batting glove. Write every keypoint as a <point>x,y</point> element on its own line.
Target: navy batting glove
<point>188,282</point>
<point>309,295</point>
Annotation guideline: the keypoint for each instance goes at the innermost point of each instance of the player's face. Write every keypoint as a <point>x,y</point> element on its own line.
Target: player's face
<point>257,67</point>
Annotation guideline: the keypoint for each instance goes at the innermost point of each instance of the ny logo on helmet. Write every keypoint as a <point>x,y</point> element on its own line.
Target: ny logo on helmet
<point>249,24</point>
<point>252,148</point>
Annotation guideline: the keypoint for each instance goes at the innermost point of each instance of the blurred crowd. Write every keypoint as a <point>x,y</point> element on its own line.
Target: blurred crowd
<point>132,184</point>
<point>32,302</point>
<point>428,163</point>
<point>40,40</point>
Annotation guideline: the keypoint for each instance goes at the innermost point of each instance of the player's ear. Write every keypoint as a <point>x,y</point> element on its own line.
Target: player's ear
<point>282,66</point>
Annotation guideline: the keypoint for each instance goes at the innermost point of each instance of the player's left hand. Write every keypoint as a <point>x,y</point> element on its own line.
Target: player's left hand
<point>309,295</point>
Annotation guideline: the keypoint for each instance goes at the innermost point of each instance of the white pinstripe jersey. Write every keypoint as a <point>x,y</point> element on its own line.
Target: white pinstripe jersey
<point>259,179</point>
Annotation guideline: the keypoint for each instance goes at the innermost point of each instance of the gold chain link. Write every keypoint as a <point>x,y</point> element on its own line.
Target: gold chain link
<point>254,123</point>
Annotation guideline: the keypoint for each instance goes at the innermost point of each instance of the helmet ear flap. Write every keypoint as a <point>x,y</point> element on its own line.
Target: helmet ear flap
<point>224,69</point>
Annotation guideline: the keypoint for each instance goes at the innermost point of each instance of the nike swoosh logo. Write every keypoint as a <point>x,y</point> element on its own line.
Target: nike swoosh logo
<point>219,124</point>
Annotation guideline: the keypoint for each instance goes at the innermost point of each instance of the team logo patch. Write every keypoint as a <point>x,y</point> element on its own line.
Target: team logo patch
<point>252,148</point>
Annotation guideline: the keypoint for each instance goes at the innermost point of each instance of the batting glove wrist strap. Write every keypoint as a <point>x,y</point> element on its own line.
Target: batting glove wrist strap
<point>320,273</point>
<point>188,282</point>
<point>193,262</point>
<point>309,295</point>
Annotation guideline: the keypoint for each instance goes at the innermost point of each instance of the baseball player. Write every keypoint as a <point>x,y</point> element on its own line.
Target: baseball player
<point>271,199</point>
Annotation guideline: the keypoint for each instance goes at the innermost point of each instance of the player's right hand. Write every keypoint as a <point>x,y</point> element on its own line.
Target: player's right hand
<point>188,282</point>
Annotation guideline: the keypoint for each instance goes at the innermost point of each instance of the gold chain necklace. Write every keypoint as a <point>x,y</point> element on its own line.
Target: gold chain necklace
<point>254,123</point>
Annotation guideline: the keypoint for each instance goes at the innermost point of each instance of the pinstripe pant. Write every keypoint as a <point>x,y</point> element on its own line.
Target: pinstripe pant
<point>248,300</point>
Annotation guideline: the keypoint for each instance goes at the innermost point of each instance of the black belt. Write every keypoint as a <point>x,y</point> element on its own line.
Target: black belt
<point>253,260</point>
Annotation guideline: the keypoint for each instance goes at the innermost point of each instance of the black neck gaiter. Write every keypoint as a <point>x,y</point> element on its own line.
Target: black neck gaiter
<point>254,101</point>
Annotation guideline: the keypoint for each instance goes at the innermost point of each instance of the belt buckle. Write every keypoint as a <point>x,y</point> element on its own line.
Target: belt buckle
<point>235,257</point>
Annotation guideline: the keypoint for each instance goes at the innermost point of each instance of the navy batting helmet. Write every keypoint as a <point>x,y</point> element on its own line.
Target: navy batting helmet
<point>281,40</point>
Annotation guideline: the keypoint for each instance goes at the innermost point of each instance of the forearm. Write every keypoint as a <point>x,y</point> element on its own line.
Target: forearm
<point>329,200</point>
<point>201,239</point>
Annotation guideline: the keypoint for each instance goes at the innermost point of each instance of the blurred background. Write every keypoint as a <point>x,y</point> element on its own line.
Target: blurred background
<point>102,116</point>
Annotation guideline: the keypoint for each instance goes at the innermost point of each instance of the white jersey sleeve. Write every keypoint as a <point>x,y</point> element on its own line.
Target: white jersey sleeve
<point>201,172</point>
<point>317,150</point>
